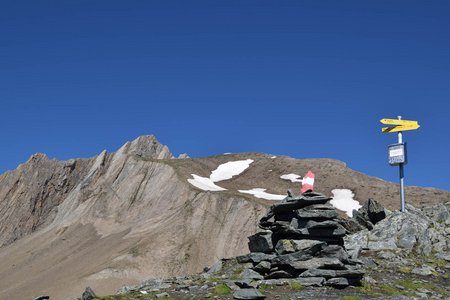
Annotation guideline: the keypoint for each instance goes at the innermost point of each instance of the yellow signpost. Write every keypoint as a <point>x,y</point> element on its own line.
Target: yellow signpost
<point>399,125</point>
<point>397,152</point>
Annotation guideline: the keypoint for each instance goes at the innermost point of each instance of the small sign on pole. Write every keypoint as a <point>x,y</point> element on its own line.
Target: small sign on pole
<point>397,152</point>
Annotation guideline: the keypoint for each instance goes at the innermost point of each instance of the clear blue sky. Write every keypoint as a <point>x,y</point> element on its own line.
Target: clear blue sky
<point>306,79</point>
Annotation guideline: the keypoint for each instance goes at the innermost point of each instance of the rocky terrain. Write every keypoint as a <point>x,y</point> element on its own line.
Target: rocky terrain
<point>398,261</point>
<point>121,217</point>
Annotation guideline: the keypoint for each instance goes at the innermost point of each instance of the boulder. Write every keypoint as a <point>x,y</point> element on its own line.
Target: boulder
<point>250,274</point>
<point>88,294</point>
<point>248,294</point>
<point>338,282</point>
<point>263,267</point>
<point>261,242</point>
<point>375,211</point>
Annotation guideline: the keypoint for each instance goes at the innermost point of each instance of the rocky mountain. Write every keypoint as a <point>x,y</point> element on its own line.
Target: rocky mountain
<point>121,217</point>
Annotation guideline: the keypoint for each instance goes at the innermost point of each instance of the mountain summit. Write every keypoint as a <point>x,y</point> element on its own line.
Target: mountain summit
<point>120,217</point>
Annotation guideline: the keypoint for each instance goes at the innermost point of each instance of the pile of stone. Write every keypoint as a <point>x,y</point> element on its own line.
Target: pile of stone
<point>302,238</point>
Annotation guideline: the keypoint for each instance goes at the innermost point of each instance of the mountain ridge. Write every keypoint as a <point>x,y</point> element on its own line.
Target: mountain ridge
<point>122,216</point>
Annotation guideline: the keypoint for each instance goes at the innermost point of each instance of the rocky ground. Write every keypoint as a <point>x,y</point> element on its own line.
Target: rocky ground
<point>389,275</point>
<point>403,256</point>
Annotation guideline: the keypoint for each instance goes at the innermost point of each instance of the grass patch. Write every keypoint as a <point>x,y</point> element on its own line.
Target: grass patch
<point>414,286</point>
<point>367,288</point>
<point>390,290</point>
<point>406,270</point>
<point>350,298</point>
<point>222,289</point>
<point>264,287</point>
<point>237,273</point>
<point>296,286</point>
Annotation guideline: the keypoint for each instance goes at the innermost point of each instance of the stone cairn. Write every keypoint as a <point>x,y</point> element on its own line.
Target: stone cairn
<point>303,239</point>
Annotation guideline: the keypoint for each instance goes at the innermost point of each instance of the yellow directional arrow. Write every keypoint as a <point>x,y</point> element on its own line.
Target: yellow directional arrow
<point>398,122</point>
<point>400,128</point>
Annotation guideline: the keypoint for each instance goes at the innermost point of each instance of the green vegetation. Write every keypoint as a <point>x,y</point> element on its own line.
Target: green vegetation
<point>222,289</point>
<point>391,290</point>
<point>296,286</point>
<point>415,285</point>
<point>350,298</point>
<point>237,273</point>
<point>367,288</point>
<point>406,270</point>
<point>264,287</point>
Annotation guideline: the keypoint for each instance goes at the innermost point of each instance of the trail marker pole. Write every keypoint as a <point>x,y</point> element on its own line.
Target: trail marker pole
<point>397,152</point>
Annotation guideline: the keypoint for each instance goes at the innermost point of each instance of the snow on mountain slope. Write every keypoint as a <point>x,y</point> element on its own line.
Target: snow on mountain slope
<point>121,217</point>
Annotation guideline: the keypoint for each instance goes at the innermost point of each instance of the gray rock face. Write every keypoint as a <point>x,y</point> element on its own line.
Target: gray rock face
<point>423,231</point>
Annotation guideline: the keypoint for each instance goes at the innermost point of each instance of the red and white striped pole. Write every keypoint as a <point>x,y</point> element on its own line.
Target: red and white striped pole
<point>307,182</point>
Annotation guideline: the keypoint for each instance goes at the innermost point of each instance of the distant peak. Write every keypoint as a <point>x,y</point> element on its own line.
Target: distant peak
<point>38,157</point>
<point>147,146</point>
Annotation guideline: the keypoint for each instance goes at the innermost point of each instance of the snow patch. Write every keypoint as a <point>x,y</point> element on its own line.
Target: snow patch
<point>204,183</point>
<point>260,193</point>
<point>228,170</point>
<point>292,177</point>
<point>343,200</point>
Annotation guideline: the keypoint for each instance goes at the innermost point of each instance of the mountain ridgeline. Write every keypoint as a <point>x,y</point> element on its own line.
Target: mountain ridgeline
<point>120,217</point>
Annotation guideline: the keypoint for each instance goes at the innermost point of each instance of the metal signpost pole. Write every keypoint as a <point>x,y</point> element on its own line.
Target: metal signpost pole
<point>397,152</point>
<point>402,175</point>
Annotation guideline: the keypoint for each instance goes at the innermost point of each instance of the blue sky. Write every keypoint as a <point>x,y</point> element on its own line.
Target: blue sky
<point>308,79</point>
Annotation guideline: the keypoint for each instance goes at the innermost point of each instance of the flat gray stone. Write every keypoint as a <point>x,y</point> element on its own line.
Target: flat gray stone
<point>311,281</point>
<point>245,294</point>
<point>318,263</point>
<point>339,282</point>
<point>317,214</point>
<point>255,257</point>
<point>324,224</point>
<point>332,273</point>
<point>250,274</point>
<point>279,274</point>
<point>288,258</point>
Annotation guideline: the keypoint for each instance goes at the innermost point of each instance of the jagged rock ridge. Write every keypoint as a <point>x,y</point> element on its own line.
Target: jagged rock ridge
<point>120,217</point>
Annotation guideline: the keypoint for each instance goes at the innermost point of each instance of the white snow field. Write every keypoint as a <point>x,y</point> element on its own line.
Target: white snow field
<point>223,172</point>
<point>343,200</point>
<point>292,177</point>
<point>260,193</point>
<point>205,184</point>
<point>228,170</point>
